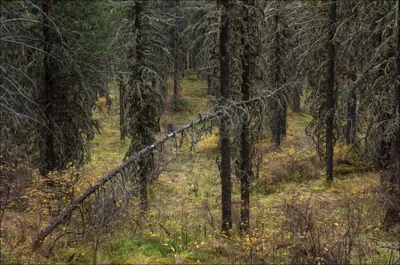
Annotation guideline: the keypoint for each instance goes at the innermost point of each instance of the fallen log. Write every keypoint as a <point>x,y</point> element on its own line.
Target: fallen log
<point>221,110</point>
<point>62,216</point>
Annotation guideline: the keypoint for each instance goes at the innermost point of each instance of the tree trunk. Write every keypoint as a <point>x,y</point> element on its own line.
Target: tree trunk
<point>351,112</point>
<point>176,59</point>
<point>296,97</point>
<point>245,144</point>
<point>393,209</point>
<point>279,122</point>
<point>188,62</point>
<point>162,85</point>
<point>297,88</point>
<point>210,88</point>
<point>330,106</point>
<point>143,185</point>
<point>384,152</point>
<point>108,99</point>
<point>396,143</point>
<point>50,155</point>
<point>284,116</point>
<point>138,78</point>
<point>226,187</point>
<point>121,108</point>
<point>383,157</point>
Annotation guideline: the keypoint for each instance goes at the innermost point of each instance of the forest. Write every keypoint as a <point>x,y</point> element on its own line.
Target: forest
<point>200,132</point>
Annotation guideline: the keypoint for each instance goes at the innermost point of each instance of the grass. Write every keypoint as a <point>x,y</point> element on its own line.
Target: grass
<point>183,221</point>
<point>191,101</point>
<point>134,251</point>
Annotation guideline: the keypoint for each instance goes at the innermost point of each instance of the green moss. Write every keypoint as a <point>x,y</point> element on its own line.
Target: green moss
<point>344,169</point>
<point>383,256</point>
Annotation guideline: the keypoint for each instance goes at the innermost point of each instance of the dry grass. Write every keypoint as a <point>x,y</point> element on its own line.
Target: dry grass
<point>295,216</point>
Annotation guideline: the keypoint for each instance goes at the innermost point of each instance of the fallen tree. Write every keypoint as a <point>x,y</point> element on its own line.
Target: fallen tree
<point>67,212</point>
<point>234,110</point>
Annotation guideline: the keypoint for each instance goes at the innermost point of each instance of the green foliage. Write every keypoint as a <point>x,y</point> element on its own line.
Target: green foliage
<point>94,21</point>
<point>296,217</point>
<point>77,53</point>
<point>143,251</point>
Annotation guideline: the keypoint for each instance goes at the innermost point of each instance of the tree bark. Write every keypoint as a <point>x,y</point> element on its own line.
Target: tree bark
<point>283,116</point>
<point>279,122</point>
<point>393,209</point>
<point>225,171</point>
<point>296,97</point>
<point>187,62</point>
<point>330,106</point>
<point>176,59</point>
<point>121,108</point>
<point>245,144</point>
<point>162,85</point>
<point>351,112</point>
<point>50,155</point>
<point>210,88</point>
<point>396,143</point>
<point>138,78</point>
<point>383,155</point>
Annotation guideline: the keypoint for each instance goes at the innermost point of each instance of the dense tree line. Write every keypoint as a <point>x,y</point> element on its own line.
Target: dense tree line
<point>342,56</point>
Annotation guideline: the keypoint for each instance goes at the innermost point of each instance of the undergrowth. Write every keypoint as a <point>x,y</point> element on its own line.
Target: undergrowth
<point>296,217</point>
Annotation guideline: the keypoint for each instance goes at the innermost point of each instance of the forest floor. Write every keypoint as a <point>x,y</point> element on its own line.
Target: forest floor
<point>296,216</point>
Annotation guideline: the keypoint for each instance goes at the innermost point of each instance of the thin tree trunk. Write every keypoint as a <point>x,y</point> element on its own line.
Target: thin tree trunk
<point>143,184</point>
<point>108,99</point>
<point>283,116</point>
<point>277,120</point>
<point>351,113</point>
<point>183,65</point>
<point>188,62</point>
<point>279,123</point>
<point>163,83</point>
<point>226,189</point>
<point>210,89</point>
<point>121,108</point>
<point>176,59</point>
<point>297,89</point>
<point>245,144</point>
<point>330,107</point>
<point>296,97</point>
<point>48,84</point>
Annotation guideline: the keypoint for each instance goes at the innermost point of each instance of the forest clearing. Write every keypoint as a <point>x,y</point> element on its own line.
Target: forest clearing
<point>200,132</point>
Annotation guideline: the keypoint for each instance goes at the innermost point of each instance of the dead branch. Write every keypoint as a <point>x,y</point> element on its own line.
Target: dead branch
<point>67,212</point>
